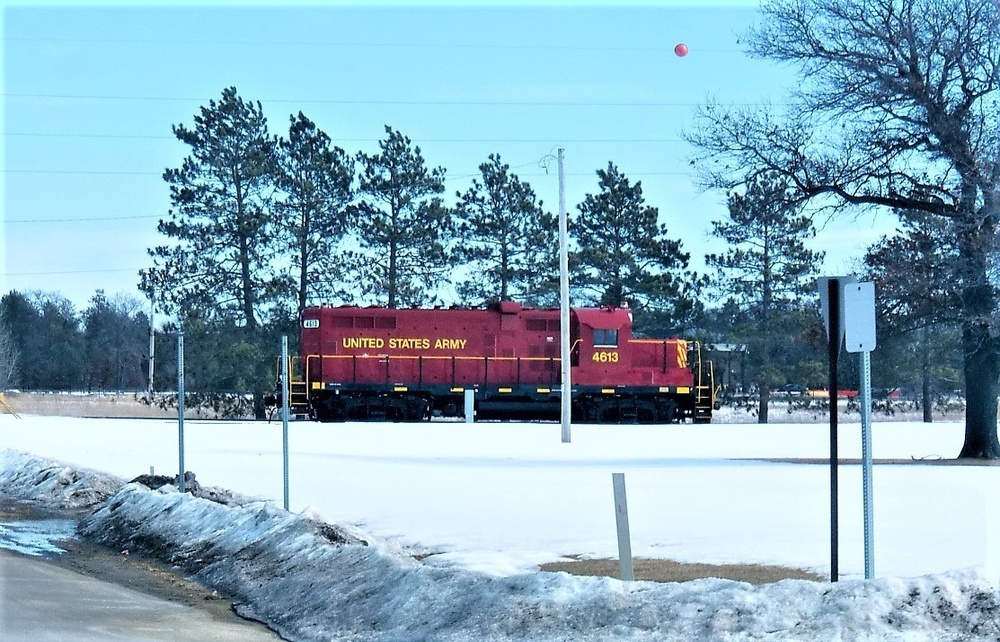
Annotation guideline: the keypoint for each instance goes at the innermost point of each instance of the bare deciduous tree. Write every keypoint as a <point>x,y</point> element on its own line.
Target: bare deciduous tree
<point>898,108</point>
<point>8,359</point>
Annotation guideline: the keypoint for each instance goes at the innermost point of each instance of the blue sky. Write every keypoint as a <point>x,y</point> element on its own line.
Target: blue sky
<point>91,92</point>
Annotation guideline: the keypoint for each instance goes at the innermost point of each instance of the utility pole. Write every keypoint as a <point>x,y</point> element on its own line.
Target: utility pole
<point>566,396</point>
<point>180,409</point>
<point>152,349</point>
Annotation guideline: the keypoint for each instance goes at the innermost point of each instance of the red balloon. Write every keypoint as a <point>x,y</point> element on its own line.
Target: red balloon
<point>681,49</point>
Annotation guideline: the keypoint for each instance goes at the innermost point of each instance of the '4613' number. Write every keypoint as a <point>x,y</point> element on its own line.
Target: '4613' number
<point>605,357</point>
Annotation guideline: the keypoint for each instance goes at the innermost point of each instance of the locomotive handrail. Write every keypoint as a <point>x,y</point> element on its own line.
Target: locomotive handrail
<point>485,359</point>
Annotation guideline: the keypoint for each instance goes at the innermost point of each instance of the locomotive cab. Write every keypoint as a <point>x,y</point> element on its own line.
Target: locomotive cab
<point>600,339</point>
<point>621,379</point>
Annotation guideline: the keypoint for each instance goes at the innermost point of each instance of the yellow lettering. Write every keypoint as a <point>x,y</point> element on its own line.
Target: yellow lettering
<point>409,343</point>
<point>450,344</point>
<point>404,343</point>
<point>363,342</point>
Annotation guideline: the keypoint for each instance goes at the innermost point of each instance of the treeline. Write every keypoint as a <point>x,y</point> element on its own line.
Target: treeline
<point>261,225</point>
<point>47,345</point>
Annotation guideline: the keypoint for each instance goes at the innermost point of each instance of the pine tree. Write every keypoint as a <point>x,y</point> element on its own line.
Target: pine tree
<point>508,241</point>
<point>624,257</point>
<point>401,225</point>
<point>316,179</point>
<point>222,259</point>
<point>767,272</point>
<point>918,304</point>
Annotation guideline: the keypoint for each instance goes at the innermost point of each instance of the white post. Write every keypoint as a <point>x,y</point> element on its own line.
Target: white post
<point>152,349</point>
<point>566,392</point>
<point>992,532</point>
<point>180,408</point>
<point>470,405</point>
<point>284,412</point>
<point>621,520</point>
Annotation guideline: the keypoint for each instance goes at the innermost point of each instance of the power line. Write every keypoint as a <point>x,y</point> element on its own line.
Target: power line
<point>428,103</point>
<point>451,177</point>
<point>546,141</point>
<point>373,45</point>
<point>79,171</point>
<point>77,220</point>
<point>55,273</point>
<point>69,135</point>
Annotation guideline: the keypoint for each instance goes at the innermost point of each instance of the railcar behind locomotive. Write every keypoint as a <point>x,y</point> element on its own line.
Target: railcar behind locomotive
<point>413,364</point>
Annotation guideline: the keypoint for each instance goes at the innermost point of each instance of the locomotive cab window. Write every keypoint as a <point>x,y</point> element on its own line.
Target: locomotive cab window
<point>605,338</point>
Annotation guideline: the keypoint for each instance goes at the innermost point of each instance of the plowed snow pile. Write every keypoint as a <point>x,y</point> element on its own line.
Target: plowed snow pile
<point>315,581</point>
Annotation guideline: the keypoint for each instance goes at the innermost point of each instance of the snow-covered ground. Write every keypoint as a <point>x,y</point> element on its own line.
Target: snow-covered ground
<point>482,505</point>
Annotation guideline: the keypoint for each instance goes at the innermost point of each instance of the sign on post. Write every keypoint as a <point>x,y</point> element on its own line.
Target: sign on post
<point>859,336</point>
<point>831,297</point>
<point>849,316</point>
<point>823,283</point>
<point>859,317</point>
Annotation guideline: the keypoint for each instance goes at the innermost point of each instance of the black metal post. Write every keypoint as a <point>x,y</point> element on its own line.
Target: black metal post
<point>833,291</point>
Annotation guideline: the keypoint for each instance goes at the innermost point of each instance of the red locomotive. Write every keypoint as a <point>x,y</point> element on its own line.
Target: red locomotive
<point>412,364</point>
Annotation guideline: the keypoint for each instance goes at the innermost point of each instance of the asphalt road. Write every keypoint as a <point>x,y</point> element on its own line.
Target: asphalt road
<point>41,600</point>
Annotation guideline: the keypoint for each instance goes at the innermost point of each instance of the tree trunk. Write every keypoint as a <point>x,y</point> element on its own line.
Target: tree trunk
<point>392,275</point>
<point>925,376</point>
<point>980,345</point>
<point>763,396</point>
<point>259,408</point>
<point>303,265</point>
<point>982,384</point>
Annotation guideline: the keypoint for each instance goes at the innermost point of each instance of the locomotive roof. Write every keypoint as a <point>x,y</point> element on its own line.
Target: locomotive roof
<point>606,318</point>
<point>603,318</point>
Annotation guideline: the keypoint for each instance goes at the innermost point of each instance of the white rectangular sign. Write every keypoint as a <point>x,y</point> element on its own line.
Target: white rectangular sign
<point>859,317</point>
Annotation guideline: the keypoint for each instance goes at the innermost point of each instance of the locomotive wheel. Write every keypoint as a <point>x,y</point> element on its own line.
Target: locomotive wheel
<point>326,409</point>
<point>666,412</point>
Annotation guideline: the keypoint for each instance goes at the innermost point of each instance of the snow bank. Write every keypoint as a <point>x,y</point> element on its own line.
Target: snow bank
<point>313,581</point>
<point>25,477</point>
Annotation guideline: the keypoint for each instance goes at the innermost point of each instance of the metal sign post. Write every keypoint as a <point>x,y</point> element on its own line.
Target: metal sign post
<point>834,352</point>
<point>285,371</point>
<point>831,301</point>
<point>180,409</point>
<point>859,335</point>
